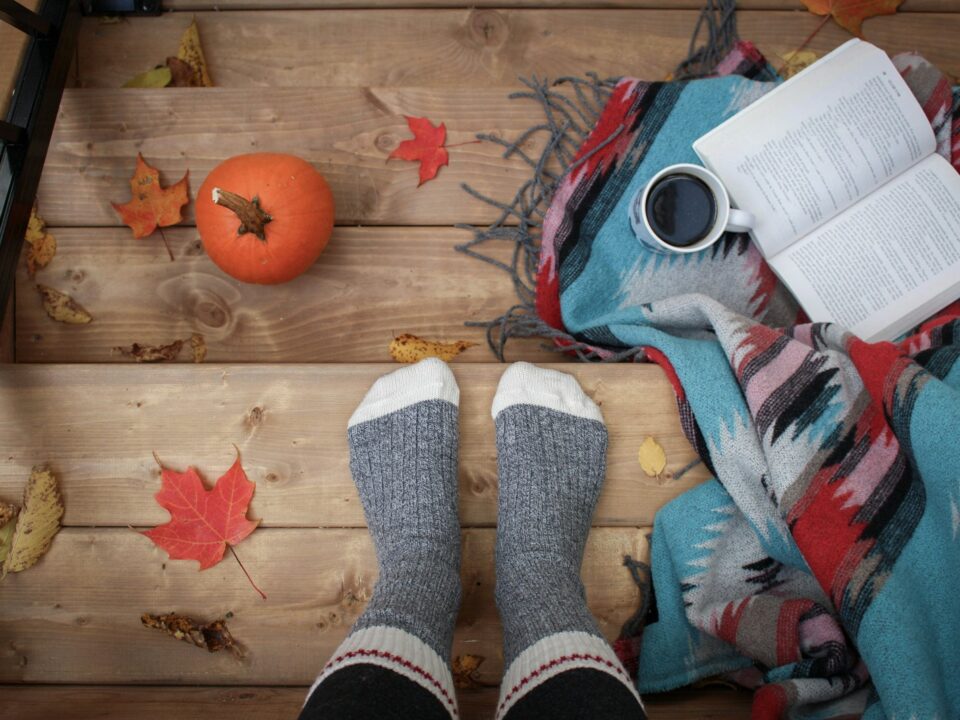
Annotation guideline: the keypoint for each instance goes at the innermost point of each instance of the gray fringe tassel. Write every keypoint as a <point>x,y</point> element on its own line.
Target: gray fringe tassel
<point>567,122</point>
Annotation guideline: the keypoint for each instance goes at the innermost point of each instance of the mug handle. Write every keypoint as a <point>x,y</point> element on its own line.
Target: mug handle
<point>739,221</point>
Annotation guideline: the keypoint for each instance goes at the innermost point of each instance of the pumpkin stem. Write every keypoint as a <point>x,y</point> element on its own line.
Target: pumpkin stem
<point>252,217</point>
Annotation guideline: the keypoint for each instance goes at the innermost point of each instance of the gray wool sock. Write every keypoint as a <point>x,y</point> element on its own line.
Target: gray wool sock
<point>403,457</point>
<point>551,454</point>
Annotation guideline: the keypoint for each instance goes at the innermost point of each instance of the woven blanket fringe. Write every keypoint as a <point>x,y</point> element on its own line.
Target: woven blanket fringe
<point>567,123</point>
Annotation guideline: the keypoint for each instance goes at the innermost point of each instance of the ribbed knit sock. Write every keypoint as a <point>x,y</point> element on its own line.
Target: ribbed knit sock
<point>403,457</point>
<point>551,454</point>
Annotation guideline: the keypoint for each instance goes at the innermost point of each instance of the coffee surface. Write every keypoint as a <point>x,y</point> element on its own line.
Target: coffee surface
<point>681,209</point>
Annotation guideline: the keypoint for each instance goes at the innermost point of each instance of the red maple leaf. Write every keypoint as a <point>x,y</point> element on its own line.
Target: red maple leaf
<point>850,14</point>
<point>203,523</point>
<point>427,146</point>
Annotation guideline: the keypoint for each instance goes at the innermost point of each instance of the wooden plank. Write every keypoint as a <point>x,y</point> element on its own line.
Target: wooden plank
<point>12,44</point>
<point>75,617</point>
<point>98,426</point>
<point>908,5</point>
<point>25,702</point>
<point>475,47</point>
<point>347,132</point>
<point>369,285</point>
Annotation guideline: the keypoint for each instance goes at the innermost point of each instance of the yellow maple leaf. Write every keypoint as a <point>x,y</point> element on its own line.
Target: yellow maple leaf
<point>653,459</point>
<point>408,348</point>
<point>43,245</point>
<point>37,523</point>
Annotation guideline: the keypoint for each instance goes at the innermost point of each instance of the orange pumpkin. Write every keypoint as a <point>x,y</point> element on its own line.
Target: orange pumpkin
<point>265,217</point>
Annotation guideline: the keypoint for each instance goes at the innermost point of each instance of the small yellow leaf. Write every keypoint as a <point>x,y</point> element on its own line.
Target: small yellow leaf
<point>410,348</point>
<point>38,522</point>
<point>43,245</point>
<point>159,77</point>
<point>191,52</point>
<point>653,459</point>
<point>199,346</point>
<point>795,61</point>
<point>62,307</point>
<point>463,667</point>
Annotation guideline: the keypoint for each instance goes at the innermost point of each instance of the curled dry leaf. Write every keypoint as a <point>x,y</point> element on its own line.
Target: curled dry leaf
<point>37,523</point>
<point>43,245</point>
<point>410,348</point>
<point>191,53</point>
<point>212,636</point>
<point>199,346</point>
<point>181,73</point>
<point>795,61</point>
<point>463,667</point>
<point>653,459</point>
<point>152,353</point>
<point>63,308</point>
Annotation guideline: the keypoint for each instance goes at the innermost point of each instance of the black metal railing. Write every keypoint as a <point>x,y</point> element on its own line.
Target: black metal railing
<point>25,132</point>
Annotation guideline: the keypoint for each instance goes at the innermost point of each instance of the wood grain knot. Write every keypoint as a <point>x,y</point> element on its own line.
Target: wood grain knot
<point>488,27</point>
<point>386,142</point>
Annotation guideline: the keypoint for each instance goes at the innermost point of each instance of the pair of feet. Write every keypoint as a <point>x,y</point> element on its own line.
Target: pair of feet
<point>551,449</point>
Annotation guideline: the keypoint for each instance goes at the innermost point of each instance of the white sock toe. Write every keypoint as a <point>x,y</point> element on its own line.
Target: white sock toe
<point>429,379</point>
<point>526,384</point>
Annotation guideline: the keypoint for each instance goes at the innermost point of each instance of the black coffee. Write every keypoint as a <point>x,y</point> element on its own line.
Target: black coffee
<point>681,209</point>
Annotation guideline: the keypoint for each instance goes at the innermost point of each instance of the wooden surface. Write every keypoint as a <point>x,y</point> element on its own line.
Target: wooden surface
<point>480,47</point>
<point>332,86</point>
<point>75,617</point>
<point>12,44</point>
<point>370,285</point>
<point>282,703</point>
<point>98,427</point>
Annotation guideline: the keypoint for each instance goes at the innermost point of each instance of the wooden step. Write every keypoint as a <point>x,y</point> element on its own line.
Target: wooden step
<point>75,617</point>
<point>369,285</point>
<point>474,47</point>
<point>98,426</point>
<point>283,703</point>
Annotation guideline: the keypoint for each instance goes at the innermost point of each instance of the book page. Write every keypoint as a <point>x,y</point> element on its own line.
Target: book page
<point>887,263</point>
<point>817,144</point>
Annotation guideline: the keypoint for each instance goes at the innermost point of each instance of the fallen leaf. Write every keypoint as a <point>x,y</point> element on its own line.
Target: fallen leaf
<point>463,668</point>
<point>158,77</point>
<point>43,245</point>
<point>109,19</point>
<point>62,307</point>
<point>212,636</point>
<point>152,353</point>
<point>427,147</point>
<point>181,73</point>
<point>199,346</point>
<point>795,61</point>
<point>152,206</point>
<point>410,349</point>
<point>8,522</point>
<point>849,14</point>
<point>204,522</point>
<point>653,459</point>
<point>191,52</point>
<point>37,523</point>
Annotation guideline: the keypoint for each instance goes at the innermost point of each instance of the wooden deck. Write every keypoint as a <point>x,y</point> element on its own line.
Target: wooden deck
<point>287,364</point>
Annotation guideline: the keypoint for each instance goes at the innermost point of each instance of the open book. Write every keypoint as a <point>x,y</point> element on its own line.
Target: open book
<point>855,210</point>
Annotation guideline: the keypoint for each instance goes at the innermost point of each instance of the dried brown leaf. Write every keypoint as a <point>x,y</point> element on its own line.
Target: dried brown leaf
<point>43,245</point>
<point>408,348</point>
<point>181,73</point>
<point>463,667</point>
<point>152,353</point>
<point>199,346</point>
<point>212,636</point>
<point>63,308</point>
<point>191,52</point>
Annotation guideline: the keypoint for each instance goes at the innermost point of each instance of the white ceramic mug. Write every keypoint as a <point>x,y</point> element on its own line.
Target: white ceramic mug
<point>726,219</point>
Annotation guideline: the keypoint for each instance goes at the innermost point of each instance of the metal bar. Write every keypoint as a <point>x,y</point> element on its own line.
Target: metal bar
<point>26,21</point>
<point>11,133</point>
<point>43,74</point>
